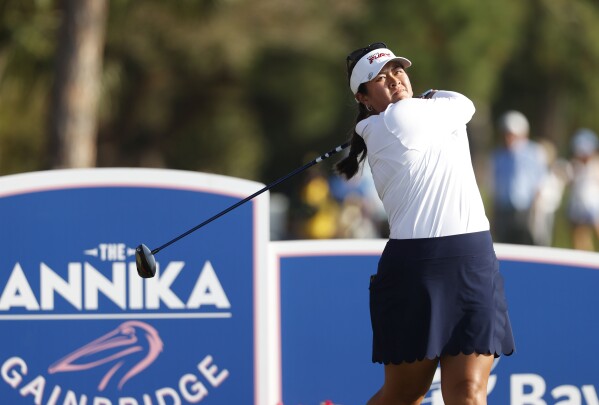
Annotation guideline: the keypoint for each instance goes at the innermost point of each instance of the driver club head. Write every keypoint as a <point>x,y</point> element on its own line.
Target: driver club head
<point>145,262</point>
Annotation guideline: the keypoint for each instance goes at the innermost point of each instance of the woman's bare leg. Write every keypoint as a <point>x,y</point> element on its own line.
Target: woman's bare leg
<point>405,383</point>
<point>464,379</point>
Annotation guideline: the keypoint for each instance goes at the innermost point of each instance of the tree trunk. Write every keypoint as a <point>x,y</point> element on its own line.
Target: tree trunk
<point>76,91</point>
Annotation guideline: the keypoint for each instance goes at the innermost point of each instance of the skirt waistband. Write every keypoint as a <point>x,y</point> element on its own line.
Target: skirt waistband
<point>443,246</point>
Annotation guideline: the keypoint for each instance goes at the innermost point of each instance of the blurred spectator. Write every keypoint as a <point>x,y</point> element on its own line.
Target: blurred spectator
<point>519,168</point>
<point>583,204</point>
<point>549,196</point>
<point>279,216</point>
<point>320,212</point>
<point>328,208</point>
<point>362,213</point>
<point>354,220</point>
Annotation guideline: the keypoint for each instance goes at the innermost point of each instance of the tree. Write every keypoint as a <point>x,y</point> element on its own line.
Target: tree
<point>75,95</point>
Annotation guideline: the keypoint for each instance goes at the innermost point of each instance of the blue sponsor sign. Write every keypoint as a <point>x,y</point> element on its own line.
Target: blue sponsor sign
<point>326,334</point>
<point>79,326</point>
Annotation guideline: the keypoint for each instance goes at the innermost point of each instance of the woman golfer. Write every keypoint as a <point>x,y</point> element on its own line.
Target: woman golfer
<point>437,297</point>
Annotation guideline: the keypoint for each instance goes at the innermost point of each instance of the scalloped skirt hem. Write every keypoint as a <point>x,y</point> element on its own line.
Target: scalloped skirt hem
<point>439,296</point>
<point>434,357</point>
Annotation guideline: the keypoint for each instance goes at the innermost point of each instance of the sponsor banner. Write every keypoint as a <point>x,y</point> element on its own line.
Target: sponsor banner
<point>326,333</point>
<point>79,326</point>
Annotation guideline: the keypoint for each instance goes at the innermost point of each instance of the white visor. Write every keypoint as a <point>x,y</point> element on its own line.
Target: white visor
<point>371,64</point>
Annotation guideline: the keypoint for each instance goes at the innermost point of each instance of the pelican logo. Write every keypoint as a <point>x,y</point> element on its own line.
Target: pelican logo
<point>127,350</point>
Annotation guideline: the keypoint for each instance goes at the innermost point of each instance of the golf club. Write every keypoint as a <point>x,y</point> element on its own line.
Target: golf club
<point>144,257</point>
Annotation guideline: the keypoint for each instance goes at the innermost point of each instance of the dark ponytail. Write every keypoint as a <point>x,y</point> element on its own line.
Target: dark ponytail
<point>349,166</point>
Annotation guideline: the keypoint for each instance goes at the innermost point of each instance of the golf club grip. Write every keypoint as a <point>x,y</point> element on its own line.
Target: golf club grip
<point>257,193</point>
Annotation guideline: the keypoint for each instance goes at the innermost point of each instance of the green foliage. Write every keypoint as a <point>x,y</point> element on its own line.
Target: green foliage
<point>551,76</point>
<point>26,48</point>
<point>253,88</point>
<point>215,86</point>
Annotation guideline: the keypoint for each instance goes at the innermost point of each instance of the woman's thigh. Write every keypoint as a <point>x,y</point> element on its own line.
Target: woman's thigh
<point>408,382</point>
<point>464,378</point>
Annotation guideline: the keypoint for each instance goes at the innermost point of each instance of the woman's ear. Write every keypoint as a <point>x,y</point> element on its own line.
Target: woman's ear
<point>362,98</point>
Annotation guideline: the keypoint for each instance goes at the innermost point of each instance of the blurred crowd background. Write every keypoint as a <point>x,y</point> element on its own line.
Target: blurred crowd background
<point>256,88</point>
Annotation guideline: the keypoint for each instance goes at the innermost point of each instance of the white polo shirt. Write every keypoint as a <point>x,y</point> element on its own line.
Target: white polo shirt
<point>420,159</point>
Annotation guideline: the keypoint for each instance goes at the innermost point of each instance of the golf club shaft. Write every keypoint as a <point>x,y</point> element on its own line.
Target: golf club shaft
<point>257,193</point>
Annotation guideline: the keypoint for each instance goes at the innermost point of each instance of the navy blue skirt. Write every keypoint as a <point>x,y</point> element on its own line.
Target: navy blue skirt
<point>437,296</point>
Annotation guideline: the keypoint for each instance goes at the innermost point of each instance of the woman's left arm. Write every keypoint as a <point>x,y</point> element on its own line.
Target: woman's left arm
<point>456,104</point>
<point>446,111</point>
